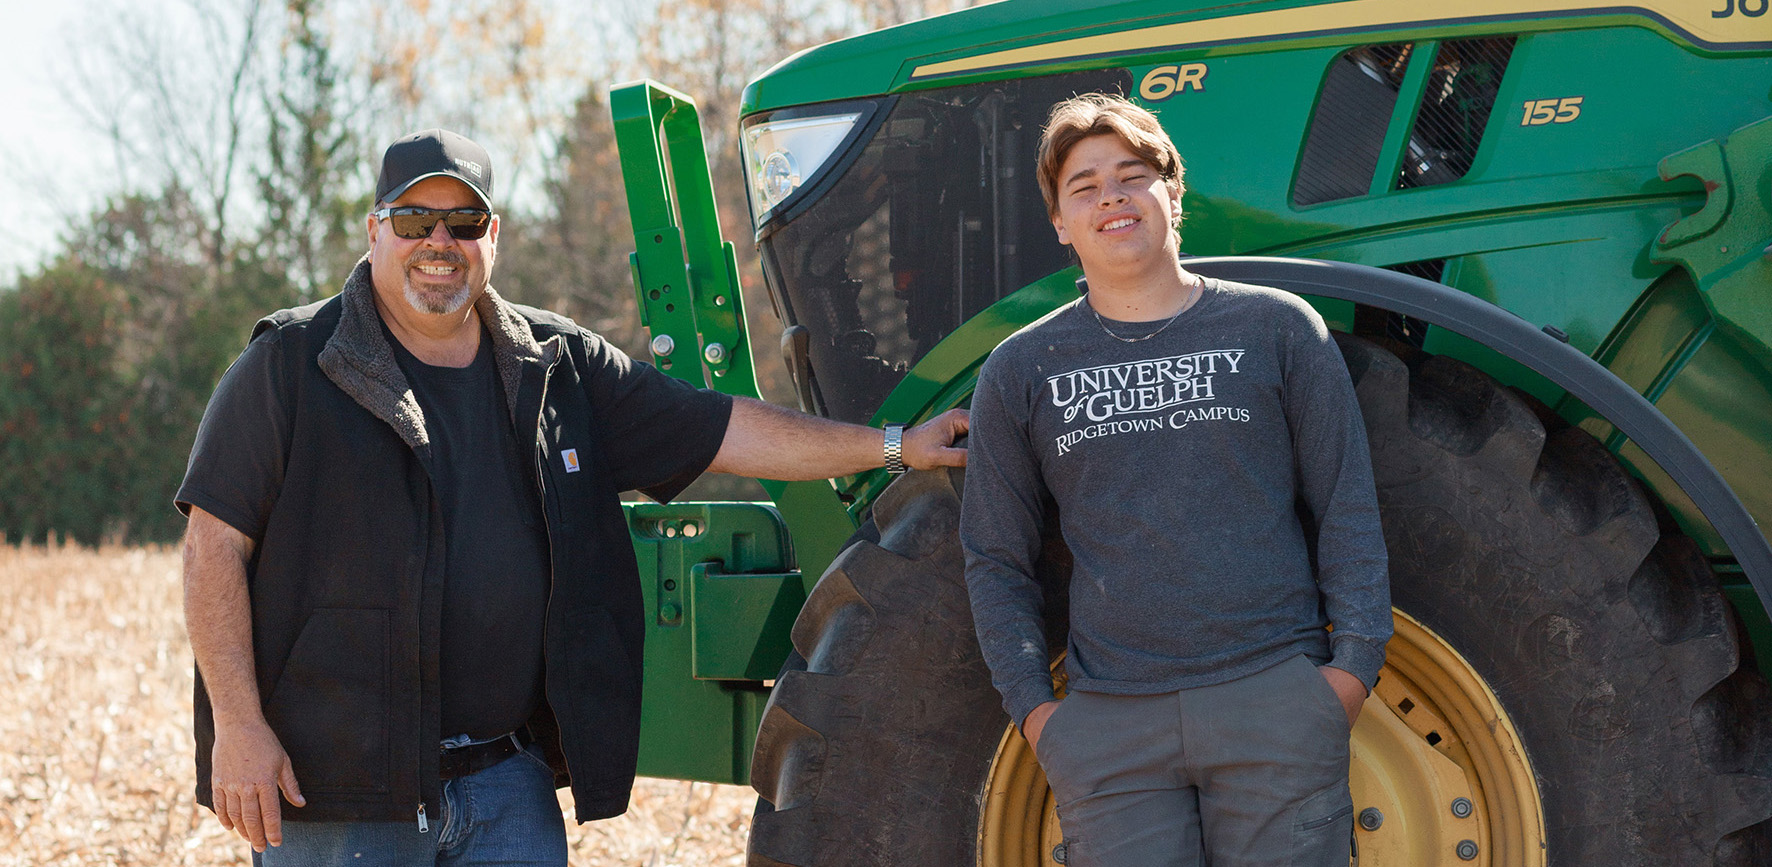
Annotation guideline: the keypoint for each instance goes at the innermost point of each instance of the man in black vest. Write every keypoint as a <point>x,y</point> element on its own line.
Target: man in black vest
<point>408,581</point>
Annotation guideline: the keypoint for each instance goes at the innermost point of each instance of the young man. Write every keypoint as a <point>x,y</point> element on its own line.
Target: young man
<point>1176,421</point>
<point>409,584</point>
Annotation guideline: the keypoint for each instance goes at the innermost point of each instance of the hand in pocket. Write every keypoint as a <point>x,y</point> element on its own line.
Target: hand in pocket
<point>1035,724</point>
<point>1347,688</point>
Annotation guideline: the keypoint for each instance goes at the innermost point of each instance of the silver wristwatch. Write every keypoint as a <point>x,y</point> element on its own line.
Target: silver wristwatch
<point>895,448</point>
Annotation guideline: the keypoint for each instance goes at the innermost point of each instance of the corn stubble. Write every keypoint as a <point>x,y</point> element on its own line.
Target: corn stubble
<point>95,723</point>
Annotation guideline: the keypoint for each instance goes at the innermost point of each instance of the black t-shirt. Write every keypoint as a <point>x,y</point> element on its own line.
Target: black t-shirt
<point>496,578</point>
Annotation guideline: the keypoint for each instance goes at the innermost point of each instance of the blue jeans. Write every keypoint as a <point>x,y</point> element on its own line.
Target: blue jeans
<point>506,815</point>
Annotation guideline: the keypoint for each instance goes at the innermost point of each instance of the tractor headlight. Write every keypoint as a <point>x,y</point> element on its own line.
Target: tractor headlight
<point>782,155</point>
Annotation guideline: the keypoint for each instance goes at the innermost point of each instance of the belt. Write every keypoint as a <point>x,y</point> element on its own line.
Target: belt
<point>474,758</point>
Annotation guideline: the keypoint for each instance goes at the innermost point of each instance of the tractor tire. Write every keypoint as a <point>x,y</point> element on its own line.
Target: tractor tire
<point>1600,629</point>
<point>882,726</point>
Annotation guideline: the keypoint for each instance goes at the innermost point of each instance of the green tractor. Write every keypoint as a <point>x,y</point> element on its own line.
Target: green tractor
<point>1543,231</point>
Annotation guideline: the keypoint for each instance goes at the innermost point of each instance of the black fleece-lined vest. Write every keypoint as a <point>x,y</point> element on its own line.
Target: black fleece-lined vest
<point>347,581</point>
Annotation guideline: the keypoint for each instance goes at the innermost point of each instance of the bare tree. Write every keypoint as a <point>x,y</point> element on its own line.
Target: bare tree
<point>172,94</point>
<point>501,71</point>
<point>311,151</point>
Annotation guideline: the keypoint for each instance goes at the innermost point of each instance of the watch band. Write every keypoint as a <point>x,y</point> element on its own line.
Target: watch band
<point>895,448</point>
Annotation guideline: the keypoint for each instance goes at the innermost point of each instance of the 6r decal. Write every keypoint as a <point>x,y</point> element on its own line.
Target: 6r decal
<point>1553,110</point>
<point>1166,81</point>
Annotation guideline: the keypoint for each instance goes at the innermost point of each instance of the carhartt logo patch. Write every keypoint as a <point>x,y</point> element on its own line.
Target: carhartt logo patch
<point>570,459</point>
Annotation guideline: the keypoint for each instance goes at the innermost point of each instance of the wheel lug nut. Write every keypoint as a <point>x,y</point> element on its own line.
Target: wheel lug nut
<point>1371,818</point>
<point>1461,807</point>
<point>1467,850</point>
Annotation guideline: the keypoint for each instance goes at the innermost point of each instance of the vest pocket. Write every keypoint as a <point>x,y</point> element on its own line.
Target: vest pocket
<point>330,706</point>
<point>603,701</point>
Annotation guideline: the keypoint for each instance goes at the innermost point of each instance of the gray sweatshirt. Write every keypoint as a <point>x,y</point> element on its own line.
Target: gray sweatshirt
<point>1176,463</point>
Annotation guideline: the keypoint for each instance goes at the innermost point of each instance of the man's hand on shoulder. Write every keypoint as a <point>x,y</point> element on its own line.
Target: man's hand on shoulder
<point>249,769</point>
<point>931,444</point>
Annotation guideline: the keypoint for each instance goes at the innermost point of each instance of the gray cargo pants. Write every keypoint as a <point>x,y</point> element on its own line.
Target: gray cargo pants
<point>1250,773</point>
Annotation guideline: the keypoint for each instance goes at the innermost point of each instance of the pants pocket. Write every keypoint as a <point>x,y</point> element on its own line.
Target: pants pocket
<point>1046,731</point>
<point>1327,698</point>
<point>1053,752</point>
<point>533,755</point>
<point>1323,827</point>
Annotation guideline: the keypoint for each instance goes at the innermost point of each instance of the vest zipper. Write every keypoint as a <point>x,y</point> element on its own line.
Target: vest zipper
<point>424,825</point>
<point>541,488</point>
<point>547,526</point>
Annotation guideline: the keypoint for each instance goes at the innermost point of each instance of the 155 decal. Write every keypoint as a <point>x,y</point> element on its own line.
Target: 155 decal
<point>1553,110</point>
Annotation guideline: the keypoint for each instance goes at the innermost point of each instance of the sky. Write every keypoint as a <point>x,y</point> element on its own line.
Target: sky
<point>52,155</point>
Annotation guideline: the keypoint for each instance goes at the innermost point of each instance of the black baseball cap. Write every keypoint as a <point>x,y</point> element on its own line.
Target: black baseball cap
<point>434,153</point>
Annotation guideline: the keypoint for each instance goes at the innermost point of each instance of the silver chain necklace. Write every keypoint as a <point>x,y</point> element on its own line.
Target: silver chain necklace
<point>1192,297</point>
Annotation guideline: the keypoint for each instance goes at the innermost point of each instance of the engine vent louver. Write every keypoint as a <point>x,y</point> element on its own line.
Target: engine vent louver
<point>1454,110</point>
<point>1341,150</point>
<point>1346,139</point>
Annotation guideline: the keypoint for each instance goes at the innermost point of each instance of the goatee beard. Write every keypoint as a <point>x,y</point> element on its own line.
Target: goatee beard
<point>438,305</point>
<point>434,303</point>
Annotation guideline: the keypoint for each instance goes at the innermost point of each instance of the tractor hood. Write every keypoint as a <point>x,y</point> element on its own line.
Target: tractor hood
<point>1040,36</point>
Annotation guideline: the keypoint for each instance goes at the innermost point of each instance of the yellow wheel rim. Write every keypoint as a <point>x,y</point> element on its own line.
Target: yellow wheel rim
<point>1437,772</point>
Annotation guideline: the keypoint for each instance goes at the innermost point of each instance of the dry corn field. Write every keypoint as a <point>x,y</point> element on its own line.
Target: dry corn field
<point>95,718</point>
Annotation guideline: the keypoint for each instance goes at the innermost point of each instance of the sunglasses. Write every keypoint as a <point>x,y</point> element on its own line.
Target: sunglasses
<point>412,223</point>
